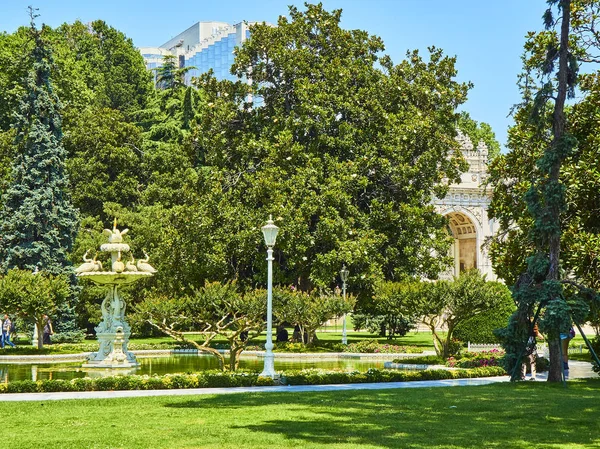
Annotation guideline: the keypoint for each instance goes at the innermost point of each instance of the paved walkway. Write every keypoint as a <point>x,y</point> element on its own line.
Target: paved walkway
<point>578,370</point>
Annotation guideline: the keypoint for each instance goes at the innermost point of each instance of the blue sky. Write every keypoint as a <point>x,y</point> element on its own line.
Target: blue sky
<point>486,36</point>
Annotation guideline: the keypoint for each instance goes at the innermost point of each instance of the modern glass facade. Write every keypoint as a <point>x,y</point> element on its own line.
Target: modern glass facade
<point>204,46</point>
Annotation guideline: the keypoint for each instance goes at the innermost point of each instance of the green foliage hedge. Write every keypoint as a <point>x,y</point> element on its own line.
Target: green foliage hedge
<point>213,379</point>
<point>480,328</point>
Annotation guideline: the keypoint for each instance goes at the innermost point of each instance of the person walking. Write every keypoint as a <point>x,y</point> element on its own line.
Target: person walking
<point>531,354</point>
<point>565,338</point>
<point>47,330</point>
<point>6,330</point>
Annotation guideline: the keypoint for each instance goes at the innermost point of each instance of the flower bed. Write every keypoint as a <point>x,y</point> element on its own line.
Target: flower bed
<point>210,379</point>
<point>373,346</point>
<point>477,359</point>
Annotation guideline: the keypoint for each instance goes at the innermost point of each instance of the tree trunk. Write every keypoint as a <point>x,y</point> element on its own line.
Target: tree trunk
<point>558,131</point>
<point>234,356</point>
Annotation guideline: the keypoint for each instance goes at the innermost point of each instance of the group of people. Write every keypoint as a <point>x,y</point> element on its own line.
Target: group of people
<point>531,352</point>
<point>7,329</point>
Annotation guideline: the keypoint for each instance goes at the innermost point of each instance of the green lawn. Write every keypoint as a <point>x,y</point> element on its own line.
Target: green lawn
<point>524,415</point>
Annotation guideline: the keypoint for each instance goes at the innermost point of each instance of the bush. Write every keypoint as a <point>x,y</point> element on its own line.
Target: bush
<point>68,337</point>
<point>315,346</point>
<point>424,360</point>
<point>238,379</point>
<point>477,359</point>
<point>480,328</point>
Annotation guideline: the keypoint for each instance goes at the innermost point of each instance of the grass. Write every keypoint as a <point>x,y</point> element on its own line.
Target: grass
<point>524,415</point>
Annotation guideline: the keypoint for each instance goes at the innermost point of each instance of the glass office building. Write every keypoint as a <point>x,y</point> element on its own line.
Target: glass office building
<point>203,46</point>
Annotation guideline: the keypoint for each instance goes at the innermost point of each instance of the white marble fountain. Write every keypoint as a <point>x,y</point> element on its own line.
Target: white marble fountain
<point>113,331</point>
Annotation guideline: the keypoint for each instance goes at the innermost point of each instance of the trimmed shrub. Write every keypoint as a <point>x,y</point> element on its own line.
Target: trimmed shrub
<point>424,360</point>
<point>480,328</point>
<point>227,379</point>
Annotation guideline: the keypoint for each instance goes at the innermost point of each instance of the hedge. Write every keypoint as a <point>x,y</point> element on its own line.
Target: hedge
<point>210,379</point>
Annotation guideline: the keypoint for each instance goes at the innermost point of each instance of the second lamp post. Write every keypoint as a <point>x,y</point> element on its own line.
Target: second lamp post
<point>344,276</point>
<point>270,233</point>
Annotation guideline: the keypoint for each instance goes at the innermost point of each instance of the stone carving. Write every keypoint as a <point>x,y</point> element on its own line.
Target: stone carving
<point>117,265</point>
<point>115,236</point>
<point>476,212</point>
<point>130,265</point>
<point>143,265</point>
<point>89,265</point>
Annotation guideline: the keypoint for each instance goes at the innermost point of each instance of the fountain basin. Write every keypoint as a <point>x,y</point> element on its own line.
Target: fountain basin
<point>111,277</point>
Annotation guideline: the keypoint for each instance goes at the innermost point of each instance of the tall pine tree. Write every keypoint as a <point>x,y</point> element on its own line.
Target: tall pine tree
<point>37,221</point>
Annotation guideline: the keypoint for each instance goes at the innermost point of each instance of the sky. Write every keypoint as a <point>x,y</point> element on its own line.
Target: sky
<point>486,36</point>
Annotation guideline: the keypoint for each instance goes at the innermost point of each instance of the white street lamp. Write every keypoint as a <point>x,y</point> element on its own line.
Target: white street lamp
<point>344,276</point>
<point>34,338</point>
<point>270,233</point>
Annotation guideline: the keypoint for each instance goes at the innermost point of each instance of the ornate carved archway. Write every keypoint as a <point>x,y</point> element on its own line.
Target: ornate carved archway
<point>465,249</point>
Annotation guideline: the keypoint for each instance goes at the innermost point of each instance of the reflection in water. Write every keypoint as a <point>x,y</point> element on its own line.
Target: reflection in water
<point>172,364</point>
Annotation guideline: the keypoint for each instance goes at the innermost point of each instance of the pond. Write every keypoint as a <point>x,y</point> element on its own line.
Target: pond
<point>10,372</point>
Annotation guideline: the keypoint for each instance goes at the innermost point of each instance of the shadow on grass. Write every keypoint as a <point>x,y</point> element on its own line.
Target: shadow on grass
<point>500,415</point>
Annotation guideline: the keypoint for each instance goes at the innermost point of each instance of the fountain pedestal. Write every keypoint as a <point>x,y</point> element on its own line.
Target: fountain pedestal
<point>113,331</point>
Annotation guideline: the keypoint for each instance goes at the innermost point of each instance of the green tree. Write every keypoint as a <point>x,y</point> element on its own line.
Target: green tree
<point>482,327</point>
<point>32,295</point>
<point>540,189</point>
<point>38,221</point>
<point>105,154</point>
<point>391,314</point>
<point>448,304</point>
<point>213,310</point>
<point>343,147</point>
<point>309,311</point>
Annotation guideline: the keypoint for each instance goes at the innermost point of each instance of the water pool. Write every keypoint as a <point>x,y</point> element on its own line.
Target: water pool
<point>173,364</point>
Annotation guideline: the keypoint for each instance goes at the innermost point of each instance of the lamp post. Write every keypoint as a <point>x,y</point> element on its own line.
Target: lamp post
<point>344,276</point>
<point>34,338</point>
<point>270,233</point>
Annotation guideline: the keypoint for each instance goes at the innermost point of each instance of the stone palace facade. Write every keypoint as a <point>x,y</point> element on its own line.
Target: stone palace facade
<point>466,207</point>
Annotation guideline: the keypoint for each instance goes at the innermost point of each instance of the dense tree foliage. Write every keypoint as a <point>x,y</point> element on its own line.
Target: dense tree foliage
<point>343,146</point>
<point>37,220</point>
